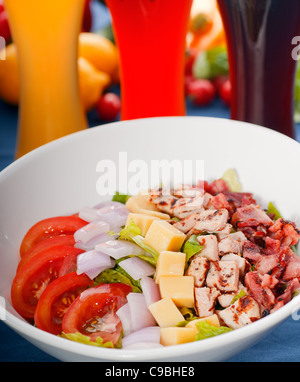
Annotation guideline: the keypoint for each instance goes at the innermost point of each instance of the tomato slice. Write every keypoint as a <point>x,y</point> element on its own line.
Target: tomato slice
<point>60,225</point>
<point>46,244</point>
<point>56,299</point>
<point>34,276</point>
<point>93,313</point>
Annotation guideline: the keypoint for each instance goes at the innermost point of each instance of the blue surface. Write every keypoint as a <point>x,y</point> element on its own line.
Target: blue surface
<point>283,345</point>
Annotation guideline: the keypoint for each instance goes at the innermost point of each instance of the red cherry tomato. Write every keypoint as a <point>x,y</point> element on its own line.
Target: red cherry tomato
<point>44,229</point>
<point>34,276</point>
<point>93,313</point>
<point>219,81</point>
<point>201,91</point>
<point>109,106</point>
<point>41,246</point>
<point>225,92</point>
<point>4,26</point>
<point>56,299</point>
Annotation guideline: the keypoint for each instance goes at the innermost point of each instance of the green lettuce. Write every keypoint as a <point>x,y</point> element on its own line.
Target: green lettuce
<point>133,233</point>
<point>239,295</point>
<point>121,198</point>
<point>81,338</point>
<point>206,330</point>
<point>231,178</point>
<point>273,211</point>
<point>117,275</point>
<point>191,247</point>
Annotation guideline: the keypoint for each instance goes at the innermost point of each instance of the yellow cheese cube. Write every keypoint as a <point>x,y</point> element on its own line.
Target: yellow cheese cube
<point>179,288</point>
<point>212,320</point>
<point>140,204</point>
<point>170,264</point>
<point>176,335</point>
<point>165,312</point>
<point>162,236</point>
<point>141,220</point>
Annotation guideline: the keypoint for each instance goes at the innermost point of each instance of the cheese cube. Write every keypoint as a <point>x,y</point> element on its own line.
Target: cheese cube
<point>170,264</point>
<point>162,236</point>
<point>165,312</point>
<point>176,335</point>
<point>179,288</point>
<point>140,204</point>
<point>212,320</point>
<point>141,220</point>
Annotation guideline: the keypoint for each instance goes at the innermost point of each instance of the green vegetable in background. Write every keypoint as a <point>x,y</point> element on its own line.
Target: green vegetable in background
<point>211,63</point>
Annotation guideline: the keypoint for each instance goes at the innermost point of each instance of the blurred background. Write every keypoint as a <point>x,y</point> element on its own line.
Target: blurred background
<point>207,86</point>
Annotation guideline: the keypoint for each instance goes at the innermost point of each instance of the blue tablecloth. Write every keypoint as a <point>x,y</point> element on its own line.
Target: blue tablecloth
<point>283,345</point>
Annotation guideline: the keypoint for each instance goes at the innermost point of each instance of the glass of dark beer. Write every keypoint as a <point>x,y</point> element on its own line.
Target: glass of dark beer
<point>260,35</point>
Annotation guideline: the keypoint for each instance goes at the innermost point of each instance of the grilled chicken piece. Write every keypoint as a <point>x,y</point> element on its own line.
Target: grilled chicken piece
<point>198,268</point>
<point>223,275</point>
<point>205,299</point>
<point>243,312</point>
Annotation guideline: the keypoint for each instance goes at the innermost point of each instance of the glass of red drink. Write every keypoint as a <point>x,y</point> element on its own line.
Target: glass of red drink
<point>151,35</point>
<point>262,70</point>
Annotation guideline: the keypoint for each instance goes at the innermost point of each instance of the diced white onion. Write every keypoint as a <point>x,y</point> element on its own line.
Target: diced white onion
<point>137,268</point>
<point>115,218</point>
<point>150,290</point>
<point>119,248</point>
<point>92,263</point>
<point>91,244</point>
<point>140,315</point>
<point>89,214</point>
<point>124,314</point>
<point>150,335</point>
<point>91,230</point>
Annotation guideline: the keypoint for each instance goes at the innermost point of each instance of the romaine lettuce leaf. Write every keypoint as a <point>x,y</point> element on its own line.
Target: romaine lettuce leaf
<point>133,233</point>
<point>117,275</point>
<point>121,198</point>
<point>206,330</point>
<point>79,337</point>
<point>191,247</point>
<point>273,211</point>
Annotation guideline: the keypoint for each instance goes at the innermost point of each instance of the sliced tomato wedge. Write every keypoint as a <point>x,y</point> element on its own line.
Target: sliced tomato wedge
<point>34,276</point>
<point>93,313</point>
<point>40,247</point>
<point>56,299</point>
<point>60,225</point>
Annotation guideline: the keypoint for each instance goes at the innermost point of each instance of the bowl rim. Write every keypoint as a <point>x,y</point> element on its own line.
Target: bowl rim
<point>35,334</point>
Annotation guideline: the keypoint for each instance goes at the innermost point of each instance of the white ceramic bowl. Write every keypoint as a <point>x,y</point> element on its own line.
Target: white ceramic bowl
<point>61,177</point>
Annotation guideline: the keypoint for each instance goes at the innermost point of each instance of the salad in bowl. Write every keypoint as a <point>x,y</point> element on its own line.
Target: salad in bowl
<point>160,268</point>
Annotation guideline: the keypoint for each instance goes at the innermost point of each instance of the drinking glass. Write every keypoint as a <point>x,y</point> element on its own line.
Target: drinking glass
<point>46,34</point>
<point>150,36</point>
<point>262,70</point>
